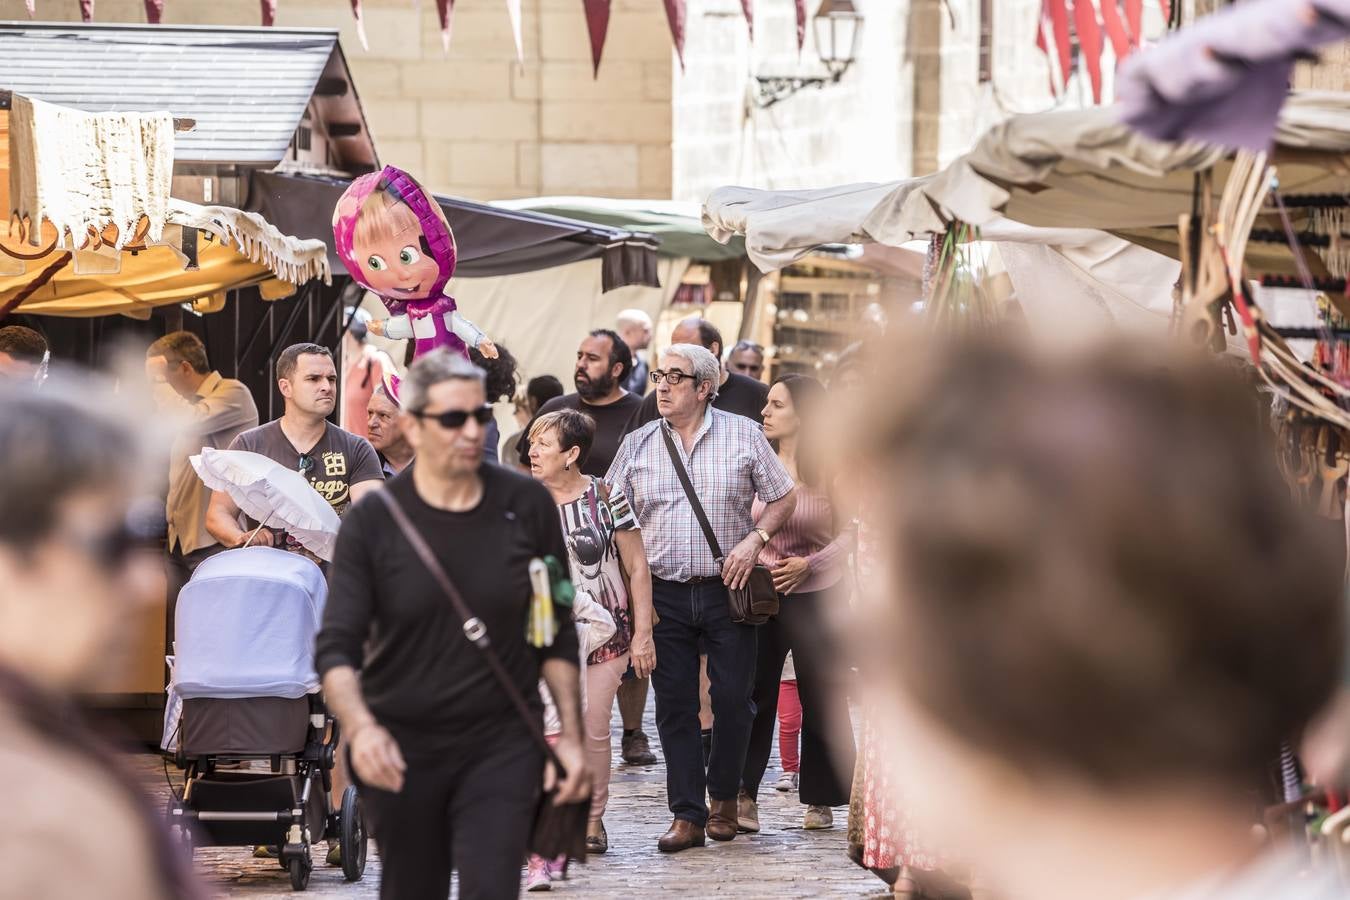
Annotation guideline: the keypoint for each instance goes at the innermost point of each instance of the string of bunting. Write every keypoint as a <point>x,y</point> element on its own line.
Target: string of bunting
<point>597,14</point>
<point>1087,25</point>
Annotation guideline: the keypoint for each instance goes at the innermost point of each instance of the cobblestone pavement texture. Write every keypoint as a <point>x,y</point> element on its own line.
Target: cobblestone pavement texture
<point>782,861</point>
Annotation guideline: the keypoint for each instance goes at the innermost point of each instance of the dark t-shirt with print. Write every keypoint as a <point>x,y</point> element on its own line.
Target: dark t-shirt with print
<point>339,460</point>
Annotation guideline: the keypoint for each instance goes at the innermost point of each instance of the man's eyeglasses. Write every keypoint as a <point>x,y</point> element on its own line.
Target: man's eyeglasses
<point>305,463</point>
<point>456,418</point>
<point>673,377</point>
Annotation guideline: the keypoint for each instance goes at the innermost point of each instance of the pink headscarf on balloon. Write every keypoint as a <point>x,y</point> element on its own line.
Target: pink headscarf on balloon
<point>440,239</point>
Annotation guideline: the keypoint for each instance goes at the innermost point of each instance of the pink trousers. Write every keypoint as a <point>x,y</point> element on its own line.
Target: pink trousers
<point>602,684</point>
<point>789,725</point>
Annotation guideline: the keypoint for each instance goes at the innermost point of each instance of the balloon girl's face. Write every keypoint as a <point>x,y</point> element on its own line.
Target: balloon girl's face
<point>390,249</point>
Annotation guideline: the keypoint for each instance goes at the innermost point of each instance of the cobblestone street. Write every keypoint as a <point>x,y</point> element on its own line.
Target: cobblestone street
<point>781,861</point>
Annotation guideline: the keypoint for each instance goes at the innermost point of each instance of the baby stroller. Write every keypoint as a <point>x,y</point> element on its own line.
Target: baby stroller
<point>253,737</point>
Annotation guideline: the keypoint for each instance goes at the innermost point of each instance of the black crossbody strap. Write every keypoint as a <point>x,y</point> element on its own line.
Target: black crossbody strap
<point>474,629</point>
<point>702,516</point>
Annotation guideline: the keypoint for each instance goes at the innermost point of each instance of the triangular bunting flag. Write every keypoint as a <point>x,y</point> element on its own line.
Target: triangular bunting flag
<point>154,11</point>
<point>748,9</point>
<point>269,12</point>
<point>1053,39</point>
<point>513,10</point>
<point>1090,44</point>
<point>1134,18</point>
<point>360,25</point>
<point>597,25</point>
<point>801,25</point>
<point>445,9</point>
<point>86,10</point>
<point>675,11</point>
<point>1115,28</point>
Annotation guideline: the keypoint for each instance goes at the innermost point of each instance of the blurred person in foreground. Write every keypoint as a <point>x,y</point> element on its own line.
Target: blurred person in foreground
<point>22,353</point>
<point>1102,614</point>
<point>77,572</point>
<point>449,772</point>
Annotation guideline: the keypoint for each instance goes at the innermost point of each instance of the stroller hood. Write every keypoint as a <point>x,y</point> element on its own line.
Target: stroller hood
<point>245,626</point>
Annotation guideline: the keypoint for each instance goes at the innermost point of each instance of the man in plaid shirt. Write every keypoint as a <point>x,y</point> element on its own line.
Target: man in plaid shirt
<point>729,462</point>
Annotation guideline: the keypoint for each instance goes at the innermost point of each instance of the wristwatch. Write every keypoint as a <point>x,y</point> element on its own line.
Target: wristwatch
<point>763,535</point>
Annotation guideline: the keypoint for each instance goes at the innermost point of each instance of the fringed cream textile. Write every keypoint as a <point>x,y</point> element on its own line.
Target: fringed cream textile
<point>290,258</point>
<point>83,171</point>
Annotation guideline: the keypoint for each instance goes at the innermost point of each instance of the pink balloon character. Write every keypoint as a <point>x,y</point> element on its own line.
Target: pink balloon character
<point>394,240</point>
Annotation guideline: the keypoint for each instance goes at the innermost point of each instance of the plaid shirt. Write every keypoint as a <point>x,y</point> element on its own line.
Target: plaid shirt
<point>730,464</point>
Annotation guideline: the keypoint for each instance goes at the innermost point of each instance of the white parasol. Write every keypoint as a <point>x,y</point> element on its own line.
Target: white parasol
<point>272,494</point>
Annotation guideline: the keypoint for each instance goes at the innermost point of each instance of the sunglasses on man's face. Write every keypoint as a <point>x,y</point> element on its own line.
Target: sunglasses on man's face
<point>455,418</point>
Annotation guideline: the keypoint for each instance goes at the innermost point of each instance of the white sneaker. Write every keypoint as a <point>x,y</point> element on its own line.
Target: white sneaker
<point>786,782</point>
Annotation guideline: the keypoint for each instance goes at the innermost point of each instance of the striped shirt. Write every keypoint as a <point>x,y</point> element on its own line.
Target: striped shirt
<point>731,462</point>
<point>811,534</point>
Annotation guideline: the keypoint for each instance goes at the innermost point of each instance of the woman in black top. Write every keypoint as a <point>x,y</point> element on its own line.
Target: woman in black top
<point>451,773</point>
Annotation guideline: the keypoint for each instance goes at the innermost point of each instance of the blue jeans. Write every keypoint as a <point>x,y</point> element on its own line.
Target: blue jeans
<point>693,617</point>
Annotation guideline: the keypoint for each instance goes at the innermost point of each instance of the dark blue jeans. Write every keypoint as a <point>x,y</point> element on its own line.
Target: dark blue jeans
<point>692,615</point>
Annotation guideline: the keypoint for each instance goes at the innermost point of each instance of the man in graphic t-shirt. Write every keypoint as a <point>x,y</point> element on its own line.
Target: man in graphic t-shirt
<point>339,465</point>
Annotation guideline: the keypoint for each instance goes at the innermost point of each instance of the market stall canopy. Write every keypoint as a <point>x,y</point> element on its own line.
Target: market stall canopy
<point>491,240</point>
<point>676,224</point>
<point>247,89</point>
<point>203,253</point>
<point>1085,169</point>
<point>1060,275</point>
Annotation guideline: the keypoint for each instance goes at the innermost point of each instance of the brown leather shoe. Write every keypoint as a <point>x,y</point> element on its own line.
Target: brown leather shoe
<point>682,835</point>
<point>722,820</point>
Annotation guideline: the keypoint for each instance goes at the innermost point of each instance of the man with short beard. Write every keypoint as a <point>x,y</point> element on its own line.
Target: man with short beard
<point>603,362</point>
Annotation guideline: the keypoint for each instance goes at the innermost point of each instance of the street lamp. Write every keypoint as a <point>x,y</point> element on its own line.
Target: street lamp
<point>838,30</point>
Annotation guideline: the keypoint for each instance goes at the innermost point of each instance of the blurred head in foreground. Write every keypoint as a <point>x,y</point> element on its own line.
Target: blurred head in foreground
<point>75,575</point>
<point>1102,611</point>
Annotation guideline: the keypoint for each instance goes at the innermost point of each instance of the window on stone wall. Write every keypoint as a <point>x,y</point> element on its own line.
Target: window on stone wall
<point>986,41</point>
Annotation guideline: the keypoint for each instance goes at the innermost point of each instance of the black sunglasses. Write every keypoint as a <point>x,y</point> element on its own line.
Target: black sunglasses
<point>456,418</point>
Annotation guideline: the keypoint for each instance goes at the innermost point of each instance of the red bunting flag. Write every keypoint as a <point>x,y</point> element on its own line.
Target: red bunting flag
<point>801,25</point>
<point>1090,44</point>
<point>31,6</point>
<point>1134,17</point>
<point>1115,29</point>
<point>269,12</point>
<point>1166,10</point>
<point>360,25</point>
<point>86,10</point>
<point>748,8</point>
<point>1053,39</point>
<point>597,25</point>
<point>154,11</point>
<point>675,14</point>
<point>445,9</point>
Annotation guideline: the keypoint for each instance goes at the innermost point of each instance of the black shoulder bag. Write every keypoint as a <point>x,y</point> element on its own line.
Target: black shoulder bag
<point>757,602</point>
<point>558,830</point>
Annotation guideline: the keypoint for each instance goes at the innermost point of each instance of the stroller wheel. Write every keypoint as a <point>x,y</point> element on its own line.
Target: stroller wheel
<point>353,837</point>
<point>300,869</point>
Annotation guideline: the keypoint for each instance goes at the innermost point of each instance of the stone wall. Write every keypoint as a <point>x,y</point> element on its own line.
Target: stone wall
<point>474,122</point>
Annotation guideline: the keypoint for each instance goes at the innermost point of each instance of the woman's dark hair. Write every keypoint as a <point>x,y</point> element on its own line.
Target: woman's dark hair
<point>501,373</point>
<point>1100,571</point>
<point>808,396</point>
<point>541,389</point>
<point>573,428</point>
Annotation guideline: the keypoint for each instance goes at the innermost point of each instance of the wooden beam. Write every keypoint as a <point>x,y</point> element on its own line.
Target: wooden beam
<point>179,124</point>
<point>331,87</point>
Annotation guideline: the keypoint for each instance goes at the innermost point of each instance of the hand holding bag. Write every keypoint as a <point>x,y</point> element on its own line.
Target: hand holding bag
<point>757,602</point>
<point>558,830</point>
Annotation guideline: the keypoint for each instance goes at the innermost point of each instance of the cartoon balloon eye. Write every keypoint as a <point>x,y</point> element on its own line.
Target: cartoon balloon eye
<point>377,264</point>
<point>408,256</point>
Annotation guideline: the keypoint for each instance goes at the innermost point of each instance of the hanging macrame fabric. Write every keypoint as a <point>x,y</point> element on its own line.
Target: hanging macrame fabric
<point>86,10</point>
<point>675,14</point>
<point>597,26</point>
<point>445,9</point>
<point>269,12</point>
